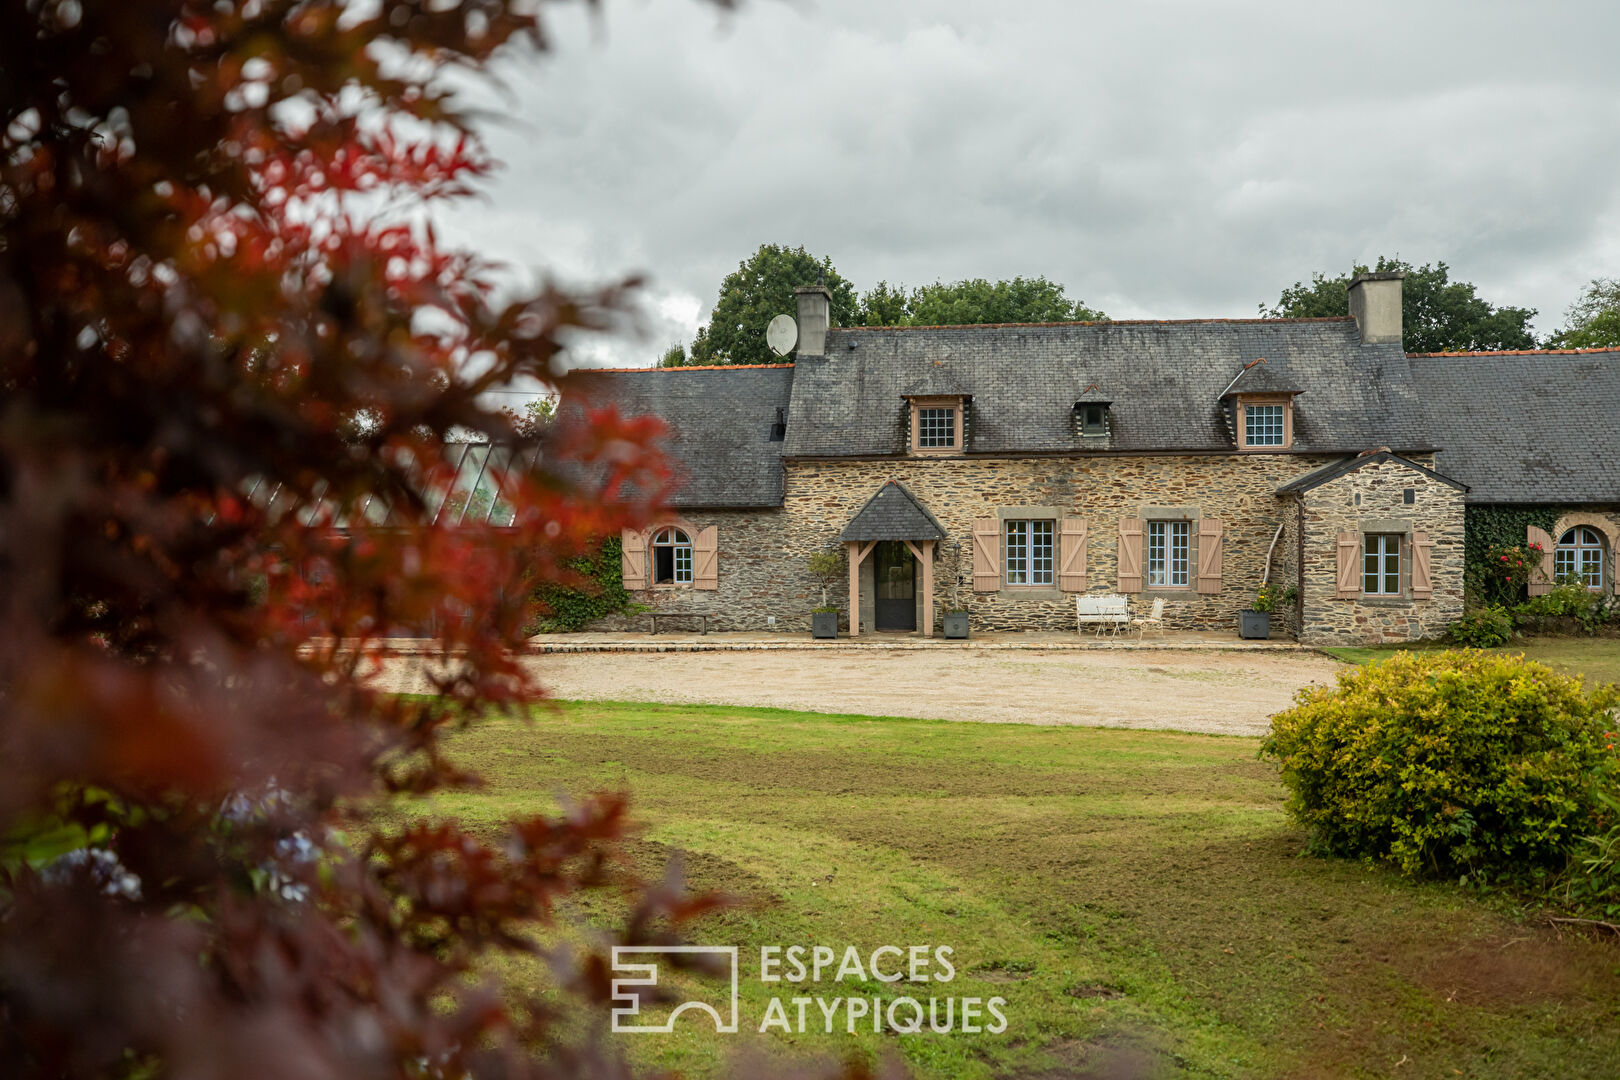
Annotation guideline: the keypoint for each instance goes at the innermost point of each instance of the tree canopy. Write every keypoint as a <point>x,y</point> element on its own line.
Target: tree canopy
<point>760,289</point>
<point>1438,314</point>
<point>198,297</point>
<point>1594,319</point>
<point>959,303</point>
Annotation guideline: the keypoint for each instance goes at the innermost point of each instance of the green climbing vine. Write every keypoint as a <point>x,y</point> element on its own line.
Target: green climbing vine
<point>563,610</point>
<point>1487,527</point>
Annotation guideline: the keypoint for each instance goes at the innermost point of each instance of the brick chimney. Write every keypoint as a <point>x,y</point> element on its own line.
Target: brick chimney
<point>815,306</point>
<point>1375,302</point>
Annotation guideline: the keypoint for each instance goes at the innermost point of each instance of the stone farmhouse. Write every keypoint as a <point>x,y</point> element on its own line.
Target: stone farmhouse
<point>1004,469</point>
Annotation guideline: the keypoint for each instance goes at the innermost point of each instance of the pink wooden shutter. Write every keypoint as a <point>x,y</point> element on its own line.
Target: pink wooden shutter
<point>706,558</point>
<point>1422,581</point>
<point>1541,577</point>
<point>1130,555</point>
<point>1209,555</point>
<point>1072,567</point>
<point>633,560</point>
<point>1349,565</point>
<point>986,555</point>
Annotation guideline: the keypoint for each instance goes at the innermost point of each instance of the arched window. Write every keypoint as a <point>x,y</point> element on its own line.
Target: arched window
<point>672,557</point>
<point>1580,551</point>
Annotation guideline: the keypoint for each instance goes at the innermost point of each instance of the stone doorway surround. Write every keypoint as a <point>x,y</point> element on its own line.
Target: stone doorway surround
<point>894,513</point>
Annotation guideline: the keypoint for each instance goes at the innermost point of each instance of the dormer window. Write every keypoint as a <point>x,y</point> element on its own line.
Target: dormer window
<point>936,425</point>
<point>1093,418</point>
<point>936,428</point>
<point>1260,404</point>
<point>1265,423</point>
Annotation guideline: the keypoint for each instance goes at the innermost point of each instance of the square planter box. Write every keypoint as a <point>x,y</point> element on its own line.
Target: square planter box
<point>1254,624</point>
<point>956,625</point>
<point>824,624</point>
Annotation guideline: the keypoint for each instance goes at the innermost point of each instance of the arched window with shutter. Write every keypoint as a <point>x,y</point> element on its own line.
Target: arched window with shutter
<point>671,557</point>
<point>1580,554</point>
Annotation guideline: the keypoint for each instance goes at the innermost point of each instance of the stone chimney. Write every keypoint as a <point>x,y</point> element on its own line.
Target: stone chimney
<point>815,306</point>
<point>1375,302</point>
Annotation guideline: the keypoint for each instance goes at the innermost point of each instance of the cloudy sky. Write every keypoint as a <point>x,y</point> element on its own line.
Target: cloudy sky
<point>1160,159</point>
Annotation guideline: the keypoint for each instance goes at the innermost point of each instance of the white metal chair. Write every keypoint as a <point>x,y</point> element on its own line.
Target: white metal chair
<point>1152,621</point>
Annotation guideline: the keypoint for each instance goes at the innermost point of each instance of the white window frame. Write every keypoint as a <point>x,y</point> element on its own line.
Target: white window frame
<point>1028,554</point>
<point>1585,555</point>
<point>1168,560</point>
<point>929,431</point>
<point>676,538</point>
<point>1376,547</point>
<point>1259,429</point>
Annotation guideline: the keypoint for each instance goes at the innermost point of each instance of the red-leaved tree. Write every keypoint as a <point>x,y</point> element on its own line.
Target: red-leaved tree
<point>226,334</point>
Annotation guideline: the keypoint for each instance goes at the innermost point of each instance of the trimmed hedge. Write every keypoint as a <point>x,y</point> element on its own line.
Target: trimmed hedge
<point>1449,763</point>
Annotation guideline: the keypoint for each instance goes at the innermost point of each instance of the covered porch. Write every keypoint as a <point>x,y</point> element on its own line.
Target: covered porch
<point>892,544</point>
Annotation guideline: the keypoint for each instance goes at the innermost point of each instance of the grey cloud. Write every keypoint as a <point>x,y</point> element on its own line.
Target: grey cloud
<point>1160,159</point>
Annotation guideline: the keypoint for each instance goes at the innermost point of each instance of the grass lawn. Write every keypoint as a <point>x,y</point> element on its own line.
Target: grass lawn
<point>1137,898</point>
<point>1596,658</point>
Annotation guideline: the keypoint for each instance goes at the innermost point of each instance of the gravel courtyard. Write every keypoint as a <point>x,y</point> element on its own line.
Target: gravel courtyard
<point>1226,693</point>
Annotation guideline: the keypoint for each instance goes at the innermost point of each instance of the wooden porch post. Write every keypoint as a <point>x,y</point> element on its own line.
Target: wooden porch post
<point>854,588</point>
<point>928,587</point>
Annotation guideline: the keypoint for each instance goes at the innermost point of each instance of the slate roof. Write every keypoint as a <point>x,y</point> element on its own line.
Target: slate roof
<point>1261,377</point>
<point>1318,477</point>
<point>893,514</point>
<point>1165,381</point>
<point>720,423</point>
<point>1526,427</point>
<point>939,379</point>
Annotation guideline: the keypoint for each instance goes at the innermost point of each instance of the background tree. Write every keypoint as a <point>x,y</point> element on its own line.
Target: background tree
<point>1437,314</point>
<point>674,356</point>
<point>884,305</point>
<point>760,289</point>
<point>1594,319</point>
<point>198,298</point>
<point>961,303</point>
<point>979,301</point>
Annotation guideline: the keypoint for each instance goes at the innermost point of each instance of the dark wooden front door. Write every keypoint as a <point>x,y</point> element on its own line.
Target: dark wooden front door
<point>894,577</point>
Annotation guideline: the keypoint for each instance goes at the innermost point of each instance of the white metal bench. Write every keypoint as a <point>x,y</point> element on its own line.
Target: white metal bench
<point>1106,613</point>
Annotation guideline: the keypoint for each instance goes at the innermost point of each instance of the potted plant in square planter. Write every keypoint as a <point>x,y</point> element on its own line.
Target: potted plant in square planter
<point>825,567</point>
<point>956,623</point>
<point>1256,622</point>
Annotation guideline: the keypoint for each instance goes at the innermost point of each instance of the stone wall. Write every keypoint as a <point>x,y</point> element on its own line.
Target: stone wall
<point>762,552</point>
<point>1372,499</point>
<point>759,578</point>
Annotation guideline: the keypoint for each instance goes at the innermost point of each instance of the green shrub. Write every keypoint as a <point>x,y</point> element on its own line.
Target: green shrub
<point>1448,762</point>
<point>1569,599</point>
<point>1482,628</point>
<point>1593,878</point>
<point>564,610</point>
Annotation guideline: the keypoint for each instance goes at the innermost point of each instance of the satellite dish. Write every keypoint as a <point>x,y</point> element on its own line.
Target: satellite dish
<point>782,335</point>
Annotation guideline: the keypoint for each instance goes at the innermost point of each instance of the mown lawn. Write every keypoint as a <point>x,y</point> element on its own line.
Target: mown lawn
<point>1138,899</point>
<point>1598,659</point>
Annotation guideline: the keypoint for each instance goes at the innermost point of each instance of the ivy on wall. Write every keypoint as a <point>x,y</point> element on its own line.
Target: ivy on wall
<point>564,610</point>
<point>1485,527</point>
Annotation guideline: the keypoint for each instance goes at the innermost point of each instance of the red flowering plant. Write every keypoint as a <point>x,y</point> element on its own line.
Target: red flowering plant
<point>1506,571</point>
<point>216,280</point>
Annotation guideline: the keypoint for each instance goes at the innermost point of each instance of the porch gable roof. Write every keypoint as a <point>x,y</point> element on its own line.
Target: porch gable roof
<point>893,514</point>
